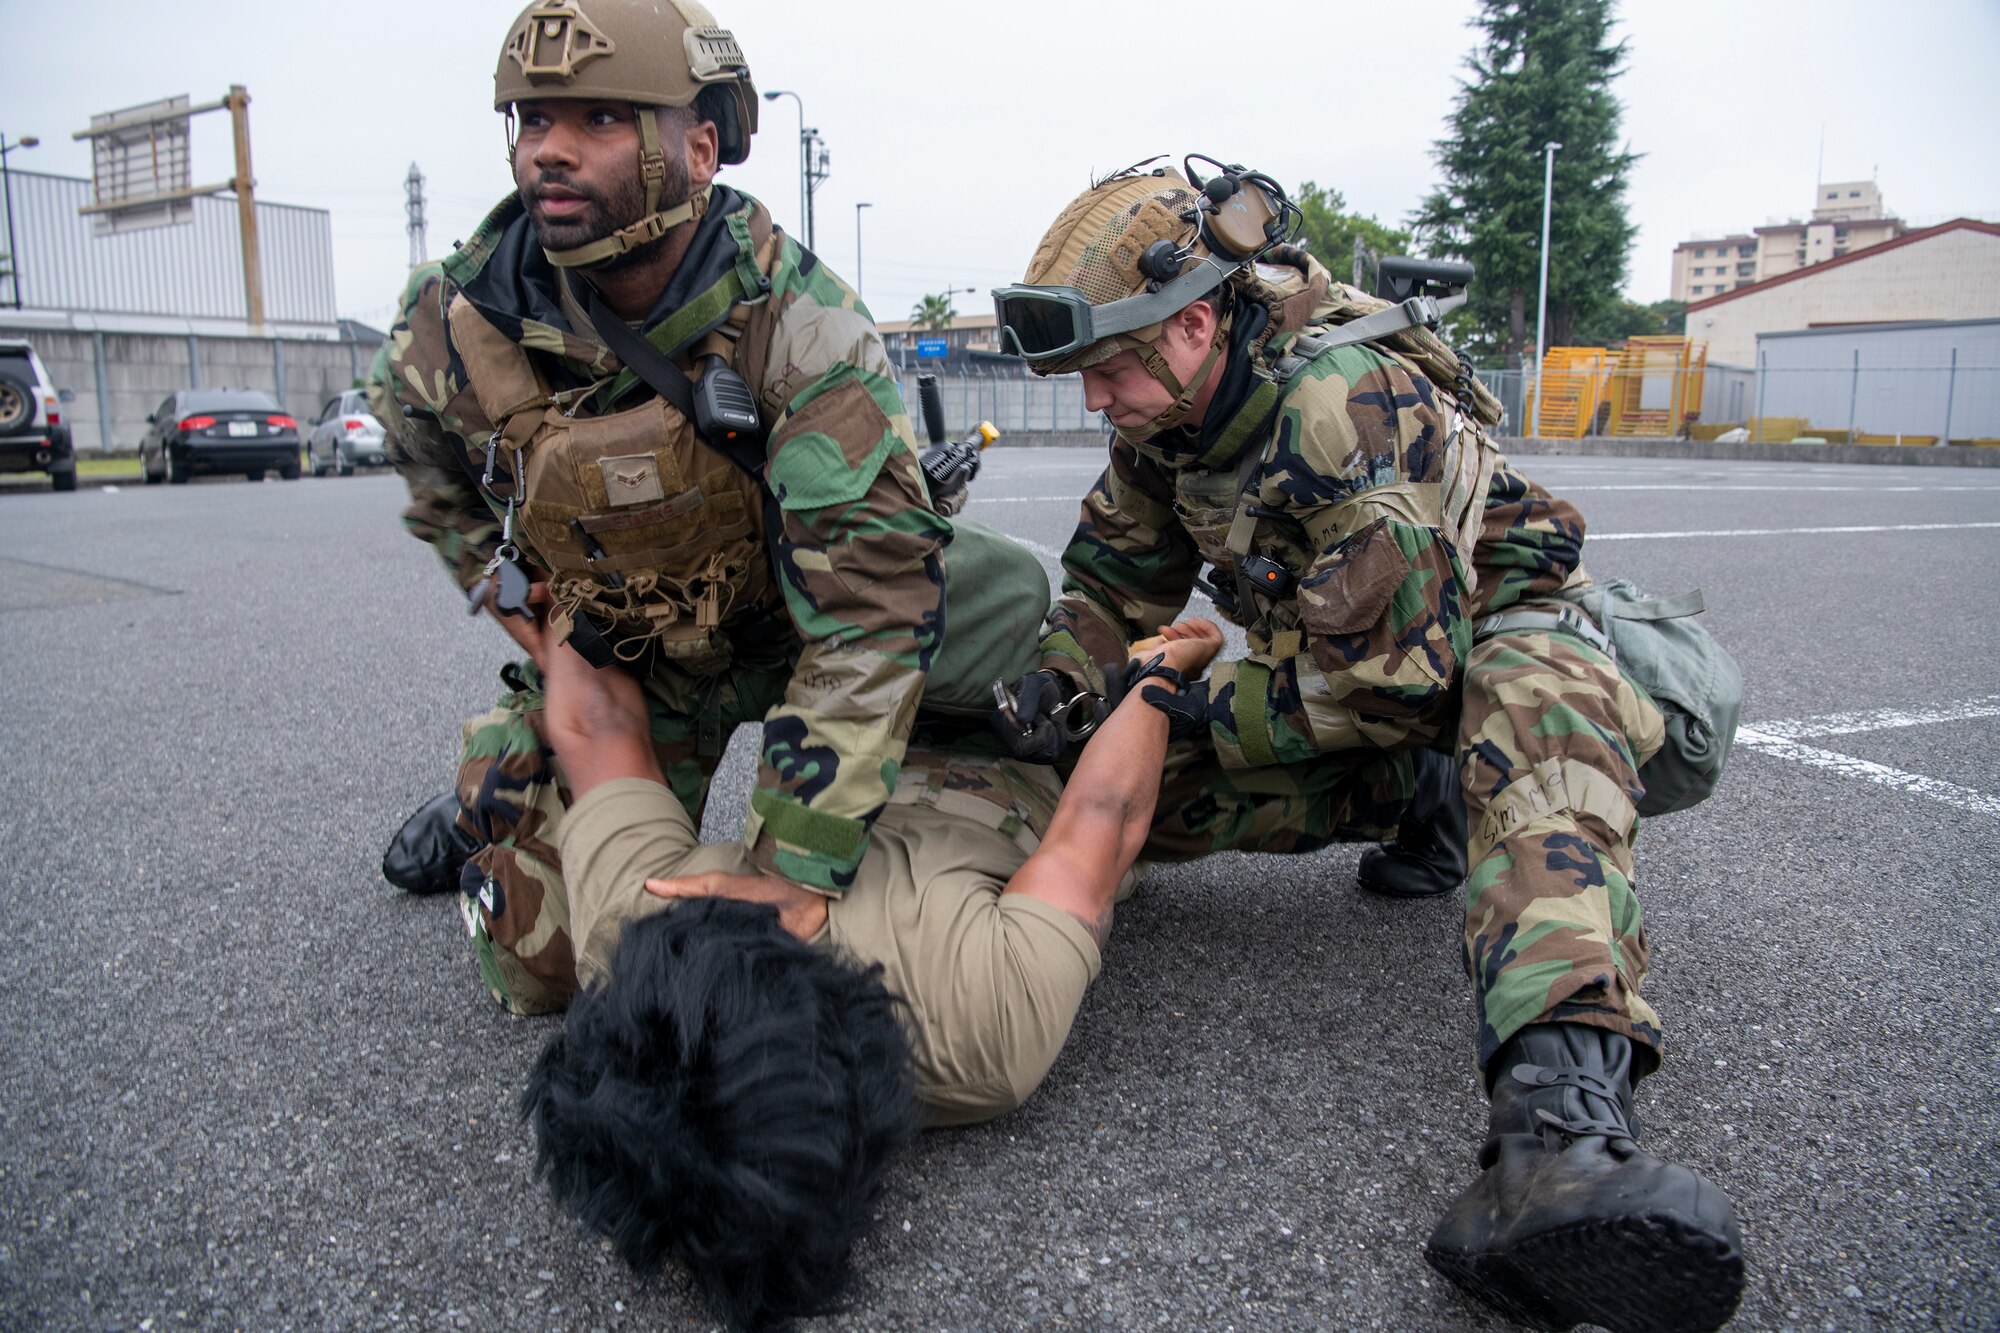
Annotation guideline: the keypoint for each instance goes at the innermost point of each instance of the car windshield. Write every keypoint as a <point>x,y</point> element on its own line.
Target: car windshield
<point>227,400</point>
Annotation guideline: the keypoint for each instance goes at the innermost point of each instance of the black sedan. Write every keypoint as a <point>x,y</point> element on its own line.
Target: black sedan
<point>219,430</point>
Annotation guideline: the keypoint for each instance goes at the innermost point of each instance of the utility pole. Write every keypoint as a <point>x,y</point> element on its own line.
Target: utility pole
<point>7,187</point>
<point>859,289</point>
<point>817,162</point>
<point>413,210</point>
<point>1542,303</point>
<point>246,204</point>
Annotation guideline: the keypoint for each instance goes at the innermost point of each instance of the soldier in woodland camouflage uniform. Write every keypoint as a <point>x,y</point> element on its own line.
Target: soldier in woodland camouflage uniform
<point>794,575</point>
<point>1362,528</point>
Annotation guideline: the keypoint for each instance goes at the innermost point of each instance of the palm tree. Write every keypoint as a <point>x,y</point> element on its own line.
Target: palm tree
<point>933,313</point>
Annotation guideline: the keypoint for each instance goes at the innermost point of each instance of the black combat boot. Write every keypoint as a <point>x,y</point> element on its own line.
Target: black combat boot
<point>1571,1221</point>
<point>1428,856</point>
<point>429,852</point>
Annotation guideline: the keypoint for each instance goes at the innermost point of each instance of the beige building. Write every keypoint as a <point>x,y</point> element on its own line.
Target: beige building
<point>1951,271</point>
<point>1847,216</point>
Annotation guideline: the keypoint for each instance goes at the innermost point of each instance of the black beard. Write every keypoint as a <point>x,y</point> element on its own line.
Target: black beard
<point>608,213</point>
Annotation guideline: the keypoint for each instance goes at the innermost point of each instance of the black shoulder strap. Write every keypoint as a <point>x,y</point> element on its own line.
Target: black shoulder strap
<point>668,380</point>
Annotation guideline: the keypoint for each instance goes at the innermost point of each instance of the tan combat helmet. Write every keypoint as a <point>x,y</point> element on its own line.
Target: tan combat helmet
<point>651,53</point>
<point>1118,261</point>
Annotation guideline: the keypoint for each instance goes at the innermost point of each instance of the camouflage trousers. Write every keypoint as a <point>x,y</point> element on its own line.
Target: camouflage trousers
<point>1551,737</point>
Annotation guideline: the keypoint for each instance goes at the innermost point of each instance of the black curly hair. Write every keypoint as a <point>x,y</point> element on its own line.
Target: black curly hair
<point>731,1100</point>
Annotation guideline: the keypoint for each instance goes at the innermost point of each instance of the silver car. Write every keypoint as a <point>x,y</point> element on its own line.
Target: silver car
<point>345,435</point>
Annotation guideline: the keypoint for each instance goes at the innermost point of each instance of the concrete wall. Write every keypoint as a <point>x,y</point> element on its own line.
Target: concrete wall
<point>140,370</point>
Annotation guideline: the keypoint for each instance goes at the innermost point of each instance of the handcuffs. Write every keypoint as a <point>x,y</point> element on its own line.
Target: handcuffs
<point>1077,716</point>
<point>1085,711</point>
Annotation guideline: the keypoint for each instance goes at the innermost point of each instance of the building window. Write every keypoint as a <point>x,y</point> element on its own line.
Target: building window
<point>1854,194</point>
<point>1746,251</point>
<point>1700,254</point>
<point>1744,270</point>
<point>1697,290</point>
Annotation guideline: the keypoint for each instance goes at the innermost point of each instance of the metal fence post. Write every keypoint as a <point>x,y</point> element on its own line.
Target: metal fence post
<point>278,372</point>
<point>1757,422</point>
<point>1950,390</point>
<point>103,393</point>
<point>1853,395</point>
<point>194,364</point>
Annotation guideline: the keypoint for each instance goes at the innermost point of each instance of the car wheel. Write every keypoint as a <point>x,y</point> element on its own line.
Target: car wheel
<point>177,469</point>
<point>152,478</point>
<point>63,481</point>
<point>288,472</point>
<point>17,403</point>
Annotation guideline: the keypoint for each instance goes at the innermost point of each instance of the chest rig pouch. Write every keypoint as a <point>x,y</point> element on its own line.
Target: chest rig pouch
<point>1260,552</point>
<point>654,536</point>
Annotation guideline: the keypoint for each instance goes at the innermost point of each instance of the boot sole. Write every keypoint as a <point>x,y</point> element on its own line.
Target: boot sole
<point>1628,1274</point>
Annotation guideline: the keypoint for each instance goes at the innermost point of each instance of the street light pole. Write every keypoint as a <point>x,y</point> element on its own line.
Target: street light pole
<point>859,287</point>
<point>1542,302</point>
<point>805,206</point>
<point>7,188</point>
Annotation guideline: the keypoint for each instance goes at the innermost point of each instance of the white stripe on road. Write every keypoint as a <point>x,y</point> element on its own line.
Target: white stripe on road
<point>1882,719</point>
<point>1699,486</point>
<point>1785,532</point>
<point>1028,499</point>
<point>1964,798</point>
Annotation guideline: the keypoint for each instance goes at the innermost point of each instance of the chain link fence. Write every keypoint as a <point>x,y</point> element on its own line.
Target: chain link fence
<point>1857,403</point>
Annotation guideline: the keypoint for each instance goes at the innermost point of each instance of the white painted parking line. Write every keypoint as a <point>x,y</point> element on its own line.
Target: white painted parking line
<point>1881,719</point>
<point>1786,532</point>
<point>1027,499</point>
<point>1780,740</point>
<point>1964,798</point>
<point>1700,486</point>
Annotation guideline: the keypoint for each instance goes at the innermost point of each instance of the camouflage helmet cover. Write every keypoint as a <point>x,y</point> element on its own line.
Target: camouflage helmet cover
<point>647,52</point>
<point>1095,243</point>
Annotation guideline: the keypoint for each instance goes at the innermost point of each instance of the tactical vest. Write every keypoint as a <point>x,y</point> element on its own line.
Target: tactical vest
<point>1221,509</point>
<point>656,536</point>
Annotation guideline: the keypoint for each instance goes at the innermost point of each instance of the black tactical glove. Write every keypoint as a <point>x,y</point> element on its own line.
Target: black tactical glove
<point>1186,706</point>
<point>1044,715</point>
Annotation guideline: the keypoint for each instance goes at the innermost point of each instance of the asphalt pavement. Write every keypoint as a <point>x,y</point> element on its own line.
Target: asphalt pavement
<point>247,1084</point>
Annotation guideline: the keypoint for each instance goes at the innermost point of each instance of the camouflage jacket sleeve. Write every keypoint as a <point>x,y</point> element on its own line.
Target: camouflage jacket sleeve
<point>1367,652</point>
<point>860,556</point>
<point>1127,570</point>
<point>417,390</point>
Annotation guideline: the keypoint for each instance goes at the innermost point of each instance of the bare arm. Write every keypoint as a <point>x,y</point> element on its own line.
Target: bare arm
<point>1107,805</point>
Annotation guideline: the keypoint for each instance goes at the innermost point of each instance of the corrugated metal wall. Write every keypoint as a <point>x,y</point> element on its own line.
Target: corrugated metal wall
<point>194,270</point>
<point>1904,379</point>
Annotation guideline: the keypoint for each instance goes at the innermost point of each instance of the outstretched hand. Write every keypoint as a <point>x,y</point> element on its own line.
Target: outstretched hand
<point>1188,645</point>
<point>800,911</point>
<point>595,718</point>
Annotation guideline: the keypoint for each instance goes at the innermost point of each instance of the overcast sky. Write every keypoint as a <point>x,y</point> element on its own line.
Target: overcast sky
<point>968,127</point>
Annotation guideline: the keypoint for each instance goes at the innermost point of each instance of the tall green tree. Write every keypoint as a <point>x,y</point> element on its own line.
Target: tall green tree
<point>1330,232</point>
<point>1542,74</point>
<point>934,313</point>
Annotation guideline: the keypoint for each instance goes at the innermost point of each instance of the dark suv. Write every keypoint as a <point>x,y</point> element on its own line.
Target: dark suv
<point>219,430</point>
<point>33,435</point>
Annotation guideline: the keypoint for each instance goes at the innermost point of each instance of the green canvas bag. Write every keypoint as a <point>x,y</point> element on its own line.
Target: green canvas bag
<point>1662,651</point>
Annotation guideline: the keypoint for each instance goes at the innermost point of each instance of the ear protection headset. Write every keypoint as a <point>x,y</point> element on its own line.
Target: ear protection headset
<point>1241,214</point>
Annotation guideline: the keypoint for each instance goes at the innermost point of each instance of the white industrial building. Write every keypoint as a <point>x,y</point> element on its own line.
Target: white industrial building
<point>1947,272</point>
<point>122,320</point>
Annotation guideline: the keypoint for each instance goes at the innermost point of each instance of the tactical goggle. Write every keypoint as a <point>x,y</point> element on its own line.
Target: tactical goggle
<point>1048,323</point>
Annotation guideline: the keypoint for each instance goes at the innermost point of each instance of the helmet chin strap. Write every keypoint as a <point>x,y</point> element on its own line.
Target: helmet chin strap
<point>650,228</point>
<point>1184,398</point>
